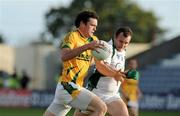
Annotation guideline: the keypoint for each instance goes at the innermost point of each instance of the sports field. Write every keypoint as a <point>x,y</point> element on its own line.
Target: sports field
<point>39,112</point>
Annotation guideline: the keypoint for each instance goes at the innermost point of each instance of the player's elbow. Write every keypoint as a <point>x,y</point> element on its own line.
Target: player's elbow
<point>100,66</point>
<point>65,55</point>
<point>64,58</point>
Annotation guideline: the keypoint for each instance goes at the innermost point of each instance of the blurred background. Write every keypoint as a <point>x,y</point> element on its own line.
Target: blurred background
<point>31,32</point>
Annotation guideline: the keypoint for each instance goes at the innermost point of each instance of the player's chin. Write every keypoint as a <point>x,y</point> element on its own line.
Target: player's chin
<point>120,49</point>
<point>91,34</point>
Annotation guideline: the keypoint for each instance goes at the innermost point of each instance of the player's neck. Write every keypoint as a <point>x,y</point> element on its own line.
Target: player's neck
<point>82,33</point>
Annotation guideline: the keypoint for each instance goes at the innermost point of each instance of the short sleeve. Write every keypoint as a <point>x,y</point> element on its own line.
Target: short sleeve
<point>93,38</point>
<point>68,42</point>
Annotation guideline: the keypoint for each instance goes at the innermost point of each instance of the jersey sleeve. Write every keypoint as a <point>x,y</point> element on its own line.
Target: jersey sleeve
<point>93,38</point>
<point>68,42</point>
<point>138,75</point>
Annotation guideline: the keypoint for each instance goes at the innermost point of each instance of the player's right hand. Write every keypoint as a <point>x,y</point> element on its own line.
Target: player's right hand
<point>119,76</point>
<point>95,44</point>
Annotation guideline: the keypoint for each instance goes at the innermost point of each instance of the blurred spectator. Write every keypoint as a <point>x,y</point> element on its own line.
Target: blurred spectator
<point>1,82</point>
<point>3,75</point>
<point>24,80</point>
<point>12,82</point>
<point>130,90</point>
<point>1,79</point>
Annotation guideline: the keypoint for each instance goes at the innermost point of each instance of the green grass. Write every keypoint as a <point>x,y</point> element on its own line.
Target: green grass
<point>39,112</point>
<point>21,112</point>
<point>159,113</point>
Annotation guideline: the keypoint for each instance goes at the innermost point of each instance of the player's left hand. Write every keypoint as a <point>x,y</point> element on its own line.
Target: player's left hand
<point>119,76</point>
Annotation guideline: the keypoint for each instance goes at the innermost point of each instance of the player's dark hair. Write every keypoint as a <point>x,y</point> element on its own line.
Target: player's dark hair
<point>126,32</point>
<point>84,17</point>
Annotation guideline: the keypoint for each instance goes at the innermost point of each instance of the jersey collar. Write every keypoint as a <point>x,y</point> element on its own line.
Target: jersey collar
<point>85,38</point>
<point>81,34</point>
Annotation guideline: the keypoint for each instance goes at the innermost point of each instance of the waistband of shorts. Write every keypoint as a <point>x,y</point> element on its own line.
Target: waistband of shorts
<point>59,85</point>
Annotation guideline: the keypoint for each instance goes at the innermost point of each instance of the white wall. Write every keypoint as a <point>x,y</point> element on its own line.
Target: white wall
<point>6,58</point>
<point>41,63</point>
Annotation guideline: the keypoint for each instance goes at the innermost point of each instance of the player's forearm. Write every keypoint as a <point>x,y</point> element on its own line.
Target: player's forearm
<point>139,93</point>
<point>105,69</point>
<point>67,54</point>
<point>123,92</point>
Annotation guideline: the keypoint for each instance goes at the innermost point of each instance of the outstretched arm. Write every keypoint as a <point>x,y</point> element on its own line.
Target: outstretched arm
<point>109,71</point>
<point>139,93</point>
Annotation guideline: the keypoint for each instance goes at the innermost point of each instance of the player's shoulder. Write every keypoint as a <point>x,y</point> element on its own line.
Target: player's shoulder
<point>73,33</point>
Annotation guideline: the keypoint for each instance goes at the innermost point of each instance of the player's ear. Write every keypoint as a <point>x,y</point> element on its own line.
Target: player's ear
<point>82,24</point>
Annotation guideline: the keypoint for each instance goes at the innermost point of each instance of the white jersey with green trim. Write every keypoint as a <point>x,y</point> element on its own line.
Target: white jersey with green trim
<point>109,85</point>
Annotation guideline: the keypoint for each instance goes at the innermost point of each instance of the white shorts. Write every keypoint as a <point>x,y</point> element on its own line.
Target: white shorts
<point>107,97</point>
<point>133,104</point>
<point>63,101</point>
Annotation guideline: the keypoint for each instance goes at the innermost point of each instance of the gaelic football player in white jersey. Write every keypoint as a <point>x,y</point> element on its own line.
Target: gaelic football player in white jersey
<point>104,82</point>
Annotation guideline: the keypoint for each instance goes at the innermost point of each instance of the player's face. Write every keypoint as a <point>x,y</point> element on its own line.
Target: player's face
<point>121,42</point>
<point>133,64</point>
<point>90,27</point>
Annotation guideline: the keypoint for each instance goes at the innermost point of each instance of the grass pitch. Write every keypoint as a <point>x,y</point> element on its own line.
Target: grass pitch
<point>39,112</point>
